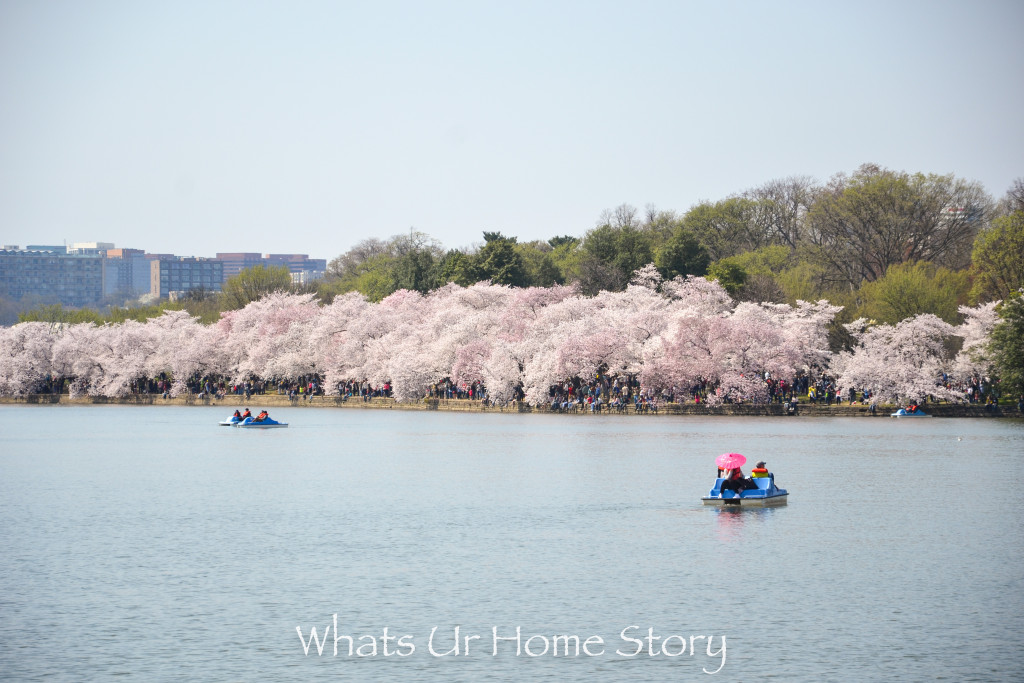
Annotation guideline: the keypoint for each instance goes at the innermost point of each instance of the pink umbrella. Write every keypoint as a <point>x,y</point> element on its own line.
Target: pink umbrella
<point>728,461</point>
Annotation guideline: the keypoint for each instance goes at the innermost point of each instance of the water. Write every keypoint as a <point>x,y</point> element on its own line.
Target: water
<point>150,544</point>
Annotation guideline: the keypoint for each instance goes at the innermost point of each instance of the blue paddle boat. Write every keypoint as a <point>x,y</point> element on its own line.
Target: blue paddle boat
<point>265,423</point>
<point>230,422</point>
<point>766,494</point>
<point>916,412</point>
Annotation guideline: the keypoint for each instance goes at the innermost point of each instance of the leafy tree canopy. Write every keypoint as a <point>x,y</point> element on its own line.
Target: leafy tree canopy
<point>729,274</point>
<point>252,284</point>
<point>1007,346</point>
<point>997,261</point>
<point>562,240</point>
<point>682,254</point>
<point>910,289</point>
<point>864,223</point>
<point>500,262</point>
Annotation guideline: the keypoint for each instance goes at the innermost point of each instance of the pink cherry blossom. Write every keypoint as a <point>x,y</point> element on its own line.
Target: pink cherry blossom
<point>898,363</point>
<point>671,335</point>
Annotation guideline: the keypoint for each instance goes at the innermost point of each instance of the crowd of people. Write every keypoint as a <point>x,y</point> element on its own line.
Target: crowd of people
<point>603,393</point>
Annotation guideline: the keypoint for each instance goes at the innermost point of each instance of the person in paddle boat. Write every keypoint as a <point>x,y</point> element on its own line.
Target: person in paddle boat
<point>262,416</point>
<point>733,480</point>
<point>245,414</point>
<point>237,416</point>
<point>760,470</point>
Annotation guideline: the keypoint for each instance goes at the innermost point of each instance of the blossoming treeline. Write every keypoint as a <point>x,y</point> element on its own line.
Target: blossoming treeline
<point>675,333</point>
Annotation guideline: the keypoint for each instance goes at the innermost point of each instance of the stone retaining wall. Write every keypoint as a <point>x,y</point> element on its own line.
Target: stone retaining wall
<point>461,405</point>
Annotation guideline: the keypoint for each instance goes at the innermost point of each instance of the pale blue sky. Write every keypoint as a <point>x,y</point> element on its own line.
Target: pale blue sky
<point>198,127</point>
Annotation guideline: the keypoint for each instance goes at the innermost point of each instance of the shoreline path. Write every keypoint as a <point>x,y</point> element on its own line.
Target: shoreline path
<point>231,401</point>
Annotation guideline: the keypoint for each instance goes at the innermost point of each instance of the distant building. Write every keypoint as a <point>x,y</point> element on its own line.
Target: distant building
<point>97,273</point>
<point>172,278</point>
<point>235,263</point>
<point>57,249</point>
<point>297,263</point>
<point>302,268</point>
<point>89,248</point>
<point>304,277</point>
<point>126,273</point>
<point>70,280</point>
<point>124,253</point>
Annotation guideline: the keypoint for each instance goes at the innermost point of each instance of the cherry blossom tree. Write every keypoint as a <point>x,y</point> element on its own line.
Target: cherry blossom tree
<point>184,348</point>
<point>119,354</point>
<point>805,329</point>
<point>25,352</point>
<point>672,334</point>
<point>75,357</point>
<point>697,295</point>
<point>336,339</point>
<point>270,338</point>
<point>391,336</point>
<point>898,363</point>
<point>974,359</point>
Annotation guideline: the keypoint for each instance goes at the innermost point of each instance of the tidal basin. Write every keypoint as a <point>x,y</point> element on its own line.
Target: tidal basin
<point>148,543</point>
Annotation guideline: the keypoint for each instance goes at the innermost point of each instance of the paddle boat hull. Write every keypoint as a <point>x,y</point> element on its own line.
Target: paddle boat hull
<point>767,494</point>
<point>902,412</point>
<point>251,423</point>
<point>230,422</point>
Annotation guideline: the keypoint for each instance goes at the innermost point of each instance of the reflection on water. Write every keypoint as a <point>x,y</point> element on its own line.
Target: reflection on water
<point>730,523</point>
<point>172,548</point>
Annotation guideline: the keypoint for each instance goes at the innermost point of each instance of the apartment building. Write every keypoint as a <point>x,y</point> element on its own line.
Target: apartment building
<point>126,273</point>
<point>51,277</point>
<point>171,278</point>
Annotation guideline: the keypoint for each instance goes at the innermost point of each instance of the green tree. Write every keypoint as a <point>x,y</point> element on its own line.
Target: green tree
<point>565,255</point>
<point>611,253</point>
<point>862,224</point>
<point>594,275</point>
<point>770,260</point>
<point>804,280</point>
<point>415,270</point>
<point>253,284</point>
<point>328,288</point>
<point>1007,345</point>
<point>911,289</point>
<point>661,225</point>
<point>763,268</point>
<point>633,251</point>
<point>499,262</point>
<point>997,261</point>
<point>602,243</point>
<point>562,241</point>
<point>539,264</point>
<point>729,274</point>
<point>347,265</point>
<point>728,227</point>
<point>56,313</point>
<point>376,281</point>
<point>456,266</point>
<point>378,268</point>
<point>682,254</point>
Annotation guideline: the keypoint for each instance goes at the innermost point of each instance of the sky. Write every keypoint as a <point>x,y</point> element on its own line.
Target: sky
<point>305,127</point>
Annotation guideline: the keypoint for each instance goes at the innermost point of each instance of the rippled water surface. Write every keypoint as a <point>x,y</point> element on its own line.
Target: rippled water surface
<point>150,544</point>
